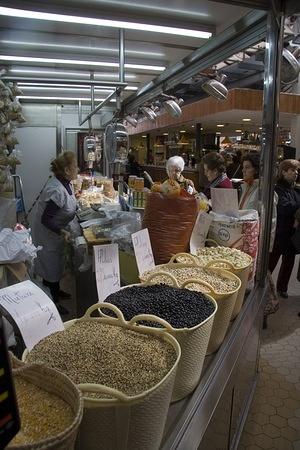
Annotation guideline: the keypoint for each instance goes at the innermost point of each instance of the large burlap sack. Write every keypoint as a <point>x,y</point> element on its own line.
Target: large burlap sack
<point>241,233</point>
<point>170,222</point>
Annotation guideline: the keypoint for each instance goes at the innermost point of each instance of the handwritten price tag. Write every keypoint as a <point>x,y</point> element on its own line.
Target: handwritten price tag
<point>143,250</point>
<point>200,231</point>
<point>32,310</point>
<point>107,269</point>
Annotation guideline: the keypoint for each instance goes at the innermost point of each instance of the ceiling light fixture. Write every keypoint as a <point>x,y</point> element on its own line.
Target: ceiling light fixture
<point>238,131</point>
<point>48,86</point>
<point>33,97</point>
<point>215,87</point>
<point>81,47</point>
<point>246,120</point>
<point>220,125</point>
<point>78,62</point>
<point>131,120</point>
<point>182,131</point>
<point>171,104</point>
<point>71,74</point>
<point>11,12</point>
<point>144,136</point>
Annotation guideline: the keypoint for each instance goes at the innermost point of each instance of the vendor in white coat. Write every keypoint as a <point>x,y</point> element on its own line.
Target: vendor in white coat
<point>55,211</point>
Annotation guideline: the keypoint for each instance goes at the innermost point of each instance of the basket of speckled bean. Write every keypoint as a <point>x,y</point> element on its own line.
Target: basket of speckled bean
<point>185,314</point>
<point>126,372</point>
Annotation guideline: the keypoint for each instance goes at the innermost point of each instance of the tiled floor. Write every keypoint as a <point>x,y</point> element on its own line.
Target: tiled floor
<point>274,419</point>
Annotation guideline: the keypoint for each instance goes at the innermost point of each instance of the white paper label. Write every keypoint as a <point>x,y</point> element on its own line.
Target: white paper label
<point>33,311</point>
<point>225,201</point>
<point>107,270</point>
<point>143,250</point>
<point>200,231</point>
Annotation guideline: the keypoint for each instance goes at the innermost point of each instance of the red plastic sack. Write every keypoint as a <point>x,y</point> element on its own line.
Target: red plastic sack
<point>170,222</point>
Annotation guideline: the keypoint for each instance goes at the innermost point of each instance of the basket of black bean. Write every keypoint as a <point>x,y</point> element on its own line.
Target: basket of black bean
<point>126,373</point>
<point>185,314</point>
<point>219,283</point>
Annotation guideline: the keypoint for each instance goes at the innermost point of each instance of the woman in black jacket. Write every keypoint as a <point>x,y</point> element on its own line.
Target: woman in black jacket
<point>288,203</point>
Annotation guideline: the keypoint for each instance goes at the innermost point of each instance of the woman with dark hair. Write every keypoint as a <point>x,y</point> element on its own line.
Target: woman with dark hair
<point>288,203</point>
<point>249,189</point>
<point>249,200</point>
<point>215,171</point>
<point>55,211</point>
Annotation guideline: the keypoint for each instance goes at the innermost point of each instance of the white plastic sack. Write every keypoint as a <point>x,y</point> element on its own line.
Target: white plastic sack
<point>241,233</point>
<point>13,249</point>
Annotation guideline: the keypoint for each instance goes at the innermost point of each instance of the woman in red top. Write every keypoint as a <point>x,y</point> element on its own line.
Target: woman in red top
<point>215,171</point>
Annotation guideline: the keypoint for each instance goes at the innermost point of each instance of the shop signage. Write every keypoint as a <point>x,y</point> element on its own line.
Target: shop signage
<point>107,270</point>
<point>33,311</point>
<point>225,201</point>
<point>143,250</point>
<point>200,231</point>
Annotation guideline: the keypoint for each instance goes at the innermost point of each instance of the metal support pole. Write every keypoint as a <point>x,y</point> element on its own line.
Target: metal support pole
<point>274,42</point>
<point>92,100</point>
<point>121,55</point>
<point>79,111</point>
<point>107,100</point>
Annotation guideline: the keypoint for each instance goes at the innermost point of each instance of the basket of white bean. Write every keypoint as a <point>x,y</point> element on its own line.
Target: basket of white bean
<point>220,284</point>
<point>126,372</point>
<point>231,259</point>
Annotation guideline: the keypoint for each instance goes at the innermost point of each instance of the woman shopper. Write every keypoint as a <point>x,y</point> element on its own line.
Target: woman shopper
<point>215,171</point>
<point>249,200</point>
<point>288,203</point>
<point>55,212</point>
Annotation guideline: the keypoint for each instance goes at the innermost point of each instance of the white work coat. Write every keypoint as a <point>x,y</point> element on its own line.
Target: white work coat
<point>50,260</point>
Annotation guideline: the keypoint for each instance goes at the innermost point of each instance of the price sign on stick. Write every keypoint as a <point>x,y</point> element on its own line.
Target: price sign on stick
<point>143,250</point>
<point>32,310</point>
<point>200,231</point>
<point>107,269</point>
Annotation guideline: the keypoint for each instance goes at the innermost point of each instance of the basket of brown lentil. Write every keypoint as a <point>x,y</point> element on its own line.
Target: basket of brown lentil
<point>50,408</point>
<point>220,284</point>
<point>126,373</point>
<point>186,315</point>
<point>234,261</point>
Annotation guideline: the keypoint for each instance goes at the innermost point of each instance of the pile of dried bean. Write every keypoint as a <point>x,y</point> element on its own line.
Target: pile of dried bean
<point>43,415</point>
<point>94,352</point>
<point>221,284</point>
<point>182,308</point>
<point>236,257</point>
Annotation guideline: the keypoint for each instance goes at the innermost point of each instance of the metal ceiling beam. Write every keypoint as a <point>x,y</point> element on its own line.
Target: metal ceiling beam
<point>42,80</point>
<point>253,4</point>
<point>243,34</point>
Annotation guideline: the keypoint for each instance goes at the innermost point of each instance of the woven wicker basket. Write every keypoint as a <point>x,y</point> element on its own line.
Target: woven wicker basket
<point>193,342</point>
<point>121,422</point>
<point>59,384</point>
<point>225,301</point>
<point>242,273</point>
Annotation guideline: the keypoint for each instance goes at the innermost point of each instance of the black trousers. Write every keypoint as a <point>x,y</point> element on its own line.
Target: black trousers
<point>54,289</point>
<point>285,270</point>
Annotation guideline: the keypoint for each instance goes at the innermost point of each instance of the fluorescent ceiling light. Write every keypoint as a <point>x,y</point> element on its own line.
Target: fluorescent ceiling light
<point>50,87</point>
<point>11,12</point>
<point>238,131</point>
<point>220,125</point>
<point>165,134</point>
<point>144,136</point>
<point>182,131</point>
<point>82,47</point>
<point>83,99</point>
<point>246,120</point>
<point>77,62</point>
<point>71,74</point>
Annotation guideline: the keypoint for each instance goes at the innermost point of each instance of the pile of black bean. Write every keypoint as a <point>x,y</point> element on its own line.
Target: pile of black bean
<point>182,308</point>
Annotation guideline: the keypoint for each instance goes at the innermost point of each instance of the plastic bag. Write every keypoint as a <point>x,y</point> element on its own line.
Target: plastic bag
<point>170,222</point>
<point>241,233</point>
<point>122,229</point>
<point>7,212</point>
<point>13,249</point>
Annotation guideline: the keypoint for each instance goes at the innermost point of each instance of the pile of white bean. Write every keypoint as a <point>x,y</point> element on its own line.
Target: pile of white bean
<point>237,258</point>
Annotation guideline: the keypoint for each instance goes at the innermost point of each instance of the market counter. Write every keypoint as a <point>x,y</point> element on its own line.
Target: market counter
<point>158,173</point>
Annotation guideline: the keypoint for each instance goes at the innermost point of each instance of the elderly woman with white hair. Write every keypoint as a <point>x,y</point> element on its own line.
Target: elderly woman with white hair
<point>175,166</point>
